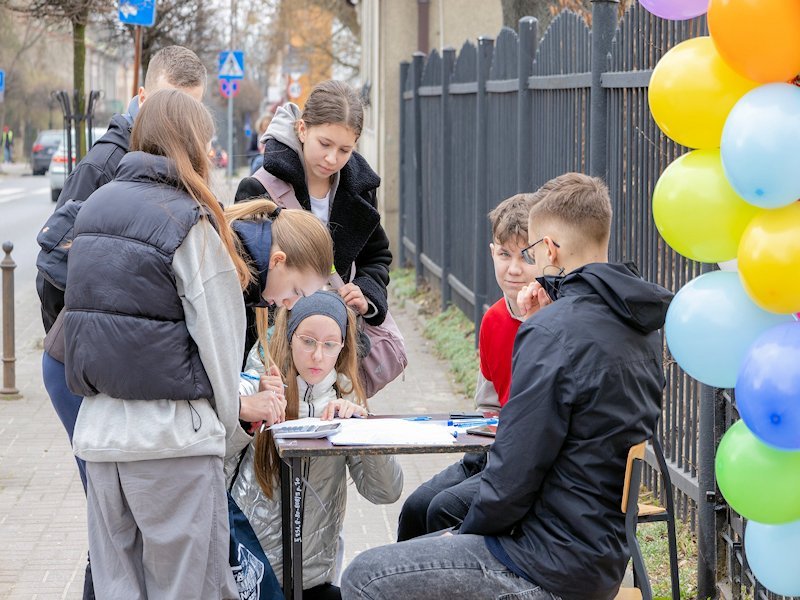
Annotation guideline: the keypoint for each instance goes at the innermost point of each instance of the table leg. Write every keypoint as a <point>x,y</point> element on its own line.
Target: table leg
<point>296,486</point>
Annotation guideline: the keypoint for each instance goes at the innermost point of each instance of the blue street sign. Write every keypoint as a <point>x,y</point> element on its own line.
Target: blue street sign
<point>231,65</point>
<point>2,80</point>
<point>137,12</point>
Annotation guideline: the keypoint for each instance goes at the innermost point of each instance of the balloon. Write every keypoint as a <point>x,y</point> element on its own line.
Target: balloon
<point>757,38</point>
<point>696,210</point>
<point>761,145</point>
<point>768,387</point>
<point>710,325</point>
<point>769,259</point>
<point>676,10</point>
<point>760,482</point>
<point>771,552</point>
<point>692,91</point>
<point>729,265</point>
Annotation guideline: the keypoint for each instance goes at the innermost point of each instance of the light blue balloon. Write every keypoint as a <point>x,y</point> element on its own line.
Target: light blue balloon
<point>772,553</point>
<point>761,145</point>
<point>711,323</point>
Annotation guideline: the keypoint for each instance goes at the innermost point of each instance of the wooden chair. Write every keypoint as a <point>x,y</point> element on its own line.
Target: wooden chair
<point>636,513</point>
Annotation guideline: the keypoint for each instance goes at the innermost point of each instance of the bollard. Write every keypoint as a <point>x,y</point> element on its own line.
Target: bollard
<point>7,265</point>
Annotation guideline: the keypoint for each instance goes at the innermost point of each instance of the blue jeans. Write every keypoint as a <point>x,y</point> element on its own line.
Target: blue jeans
<point>450,566</point>
<point>64,401</point>
<point>443,501</point>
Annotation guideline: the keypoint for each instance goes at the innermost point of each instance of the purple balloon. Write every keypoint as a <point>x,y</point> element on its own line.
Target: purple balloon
<point>676,10</point>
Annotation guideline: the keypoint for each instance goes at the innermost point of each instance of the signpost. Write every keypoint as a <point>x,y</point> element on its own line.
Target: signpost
<point>139,13</point>
<point>2,85</point>
<point>231,70</point>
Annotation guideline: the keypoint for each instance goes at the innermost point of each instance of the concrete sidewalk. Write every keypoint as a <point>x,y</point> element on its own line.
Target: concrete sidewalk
<point>42,507</point>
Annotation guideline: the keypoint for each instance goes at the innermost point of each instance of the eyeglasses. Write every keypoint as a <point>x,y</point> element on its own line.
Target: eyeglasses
<point>309,344</point>
<point>528,256</point>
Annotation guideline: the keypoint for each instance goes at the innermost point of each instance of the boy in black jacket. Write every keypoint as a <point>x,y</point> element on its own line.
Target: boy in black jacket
<point>586,385</point>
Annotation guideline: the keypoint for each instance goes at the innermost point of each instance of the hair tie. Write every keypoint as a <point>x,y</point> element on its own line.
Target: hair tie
<point>274,214</point>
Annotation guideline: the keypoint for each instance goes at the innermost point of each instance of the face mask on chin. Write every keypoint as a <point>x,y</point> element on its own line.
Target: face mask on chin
<point>552,284</point>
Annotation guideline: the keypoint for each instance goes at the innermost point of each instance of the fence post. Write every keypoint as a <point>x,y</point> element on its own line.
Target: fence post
<point>485,47</point>
<point>710,407</point>
<point>417,65</point>
<point>401,204</point>
<point>604,25</point>
<point>448,60</point>
<point>7,265</point>
<point>528,28</point>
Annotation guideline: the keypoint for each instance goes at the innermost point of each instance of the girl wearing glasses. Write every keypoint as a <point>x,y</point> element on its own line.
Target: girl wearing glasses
<point>315,347</point>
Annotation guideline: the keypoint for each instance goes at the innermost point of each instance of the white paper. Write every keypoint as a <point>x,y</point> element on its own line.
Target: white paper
<point>361,432</point>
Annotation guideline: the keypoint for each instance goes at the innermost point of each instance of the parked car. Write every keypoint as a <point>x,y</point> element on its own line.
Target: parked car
<point>217,155</point>
<point>58,163</point>
<point>43,149</point>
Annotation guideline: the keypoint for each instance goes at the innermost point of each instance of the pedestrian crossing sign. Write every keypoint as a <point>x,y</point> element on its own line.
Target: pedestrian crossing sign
<point>231,64</point>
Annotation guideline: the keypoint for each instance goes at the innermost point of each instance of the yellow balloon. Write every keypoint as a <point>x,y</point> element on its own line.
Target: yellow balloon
<point>769,259</point>
<point>696,210</point>
<point>691,92</point>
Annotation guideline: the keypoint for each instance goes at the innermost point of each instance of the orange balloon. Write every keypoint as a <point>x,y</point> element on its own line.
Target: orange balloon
<point>758,38</point>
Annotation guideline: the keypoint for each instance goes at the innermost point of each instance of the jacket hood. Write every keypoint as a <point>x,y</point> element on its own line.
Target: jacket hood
<point>256,239</point>
<point>639,303</point>
<point>281,128</point>
<point>118,133</point>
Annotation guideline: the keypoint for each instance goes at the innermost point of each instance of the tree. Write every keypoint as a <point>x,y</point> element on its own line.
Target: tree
<point>77,13</point>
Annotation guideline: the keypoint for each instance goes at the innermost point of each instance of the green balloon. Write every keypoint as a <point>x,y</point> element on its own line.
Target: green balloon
<point>760,482</point>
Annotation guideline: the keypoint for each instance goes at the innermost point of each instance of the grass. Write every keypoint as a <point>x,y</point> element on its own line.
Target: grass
<point>453,337</point>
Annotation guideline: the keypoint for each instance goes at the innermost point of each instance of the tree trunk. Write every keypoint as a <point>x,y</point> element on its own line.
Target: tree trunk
<point>79,77</point>
<point>514,10</point>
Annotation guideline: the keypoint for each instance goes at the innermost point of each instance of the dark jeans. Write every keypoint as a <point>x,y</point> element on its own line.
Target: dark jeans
<point>66,405</point>
<point>443,501</point>
<point>326,591</point>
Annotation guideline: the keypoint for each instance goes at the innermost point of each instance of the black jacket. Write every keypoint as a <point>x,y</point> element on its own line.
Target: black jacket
<point>124,327</point>
<point>586,385</point>
<point>355,223</point>
<point>95,170</point>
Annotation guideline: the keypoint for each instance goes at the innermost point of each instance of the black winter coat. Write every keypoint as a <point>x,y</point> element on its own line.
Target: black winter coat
<point>95,170</point>
<point>355,223</point>
<point>586,385</point>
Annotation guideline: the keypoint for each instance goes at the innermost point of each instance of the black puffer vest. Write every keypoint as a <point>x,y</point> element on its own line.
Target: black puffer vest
<point>124,328</point>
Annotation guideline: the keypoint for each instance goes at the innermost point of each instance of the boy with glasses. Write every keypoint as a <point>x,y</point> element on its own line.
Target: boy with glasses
<point>443,501</point>
<point>587,379</point>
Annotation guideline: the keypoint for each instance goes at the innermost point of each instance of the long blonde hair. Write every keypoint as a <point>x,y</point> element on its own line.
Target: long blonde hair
<point>266,461</point>
<point>175,125</point>
<point>299,234</point>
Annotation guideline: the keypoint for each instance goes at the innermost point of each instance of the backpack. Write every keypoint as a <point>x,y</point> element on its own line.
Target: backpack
<point>386,359</point>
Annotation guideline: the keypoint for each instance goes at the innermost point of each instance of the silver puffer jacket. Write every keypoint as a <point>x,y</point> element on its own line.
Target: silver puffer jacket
<point>378,478</point>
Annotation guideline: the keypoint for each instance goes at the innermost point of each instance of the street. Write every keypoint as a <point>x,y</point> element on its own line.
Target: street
<point>24,207</point>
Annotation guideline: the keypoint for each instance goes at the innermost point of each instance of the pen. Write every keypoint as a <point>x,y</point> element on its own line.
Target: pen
<point>255,378</point>
<point>472,423</point>
<point>420,418</point>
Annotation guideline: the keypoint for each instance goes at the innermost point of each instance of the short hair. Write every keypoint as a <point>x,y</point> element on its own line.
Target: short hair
<point>509,219</point>
<point>578,201</point>
<point>178,65</point>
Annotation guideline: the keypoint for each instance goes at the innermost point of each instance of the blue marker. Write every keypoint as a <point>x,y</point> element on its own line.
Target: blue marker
<point>250,377</point>
<point>420,418</point>
<point>474,423</point>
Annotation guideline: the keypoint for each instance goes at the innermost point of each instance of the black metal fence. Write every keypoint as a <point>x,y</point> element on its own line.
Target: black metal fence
<point>505,115</point>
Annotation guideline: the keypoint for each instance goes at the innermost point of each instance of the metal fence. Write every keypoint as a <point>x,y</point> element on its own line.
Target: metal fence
<point>503,116</point>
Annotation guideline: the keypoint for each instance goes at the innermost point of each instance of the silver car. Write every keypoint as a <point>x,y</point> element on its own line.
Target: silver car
<point>57,173</point>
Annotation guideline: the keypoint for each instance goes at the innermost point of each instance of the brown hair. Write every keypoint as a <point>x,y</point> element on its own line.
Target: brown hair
<point>265,458</point>
<point>579,202</point>
<point>175,125</point>
<point>509,219</point>
<point>178,65</point>
<point>299,234</point>
<point>334,102</point>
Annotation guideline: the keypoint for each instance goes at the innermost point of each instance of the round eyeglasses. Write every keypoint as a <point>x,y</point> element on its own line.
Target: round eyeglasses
<point>309,344</point>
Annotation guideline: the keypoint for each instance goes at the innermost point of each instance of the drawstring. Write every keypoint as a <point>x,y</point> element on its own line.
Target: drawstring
<point>199,418</point>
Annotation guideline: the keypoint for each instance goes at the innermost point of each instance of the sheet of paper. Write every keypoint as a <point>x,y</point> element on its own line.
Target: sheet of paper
<point>360,432</point>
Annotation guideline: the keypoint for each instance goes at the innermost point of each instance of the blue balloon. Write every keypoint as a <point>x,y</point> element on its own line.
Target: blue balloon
<point>772,554</point>
<point>761,145</point>
<point>768,387</point>
<point>710,325</point>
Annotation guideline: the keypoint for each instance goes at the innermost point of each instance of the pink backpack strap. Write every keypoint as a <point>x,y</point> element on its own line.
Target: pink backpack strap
<point>281,192</point>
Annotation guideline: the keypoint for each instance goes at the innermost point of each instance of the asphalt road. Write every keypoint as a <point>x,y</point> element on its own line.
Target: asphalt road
<point>25,205</point>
